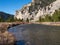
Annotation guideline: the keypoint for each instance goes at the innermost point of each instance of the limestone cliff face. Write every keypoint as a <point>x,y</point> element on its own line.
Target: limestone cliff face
<point>37,8</point>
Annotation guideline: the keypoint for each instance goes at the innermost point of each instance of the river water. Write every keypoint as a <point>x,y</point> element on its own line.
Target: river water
<point>36,34</point>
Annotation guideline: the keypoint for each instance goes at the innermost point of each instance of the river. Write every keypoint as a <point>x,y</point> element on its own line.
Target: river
<point>36,34</point>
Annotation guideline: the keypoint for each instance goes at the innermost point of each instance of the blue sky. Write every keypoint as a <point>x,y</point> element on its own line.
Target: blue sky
<point>10,6</point>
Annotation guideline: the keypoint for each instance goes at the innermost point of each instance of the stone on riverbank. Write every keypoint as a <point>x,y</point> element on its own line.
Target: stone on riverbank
<point>6,38</point>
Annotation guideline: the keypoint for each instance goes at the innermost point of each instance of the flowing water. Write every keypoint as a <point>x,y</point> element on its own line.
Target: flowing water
<point>36,34</point>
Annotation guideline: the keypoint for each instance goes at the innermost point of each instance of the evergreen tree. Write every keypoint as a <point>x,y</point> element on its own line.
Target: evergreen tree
<point>1,19</point>
<point>27,20</point>
<point>41,19</point>
<point>56,16</point>
<point>48,18</point>
<point>10,19</point>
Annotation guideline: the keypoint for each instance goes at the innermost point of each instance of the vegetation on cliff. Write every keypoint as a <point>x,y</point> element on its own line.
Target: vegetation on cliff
<point>54,18</point>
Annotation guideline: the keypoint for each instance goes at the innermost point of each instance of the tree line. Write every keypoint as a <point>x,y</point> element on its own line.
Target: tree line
<point>48,18</point>
<point>12,19</point>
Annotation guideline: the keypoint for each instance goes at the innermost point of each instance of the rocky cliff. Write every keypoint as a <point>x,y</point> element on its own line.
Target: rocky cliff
<point>37,8</point>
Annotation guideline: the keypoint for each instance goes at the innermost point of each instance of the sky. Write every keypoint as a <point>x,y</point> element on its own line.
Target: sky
<point>10,6</point>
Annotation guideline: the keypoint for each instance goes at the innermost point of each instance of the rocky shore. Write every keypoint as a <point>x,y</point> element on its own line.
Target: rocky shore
<point>9,37</point>
<point>6,38</point>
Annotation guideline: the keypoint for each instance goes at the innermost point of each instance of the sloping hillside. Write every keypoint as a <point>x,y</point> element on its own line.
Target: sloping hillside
<point>5,16</point>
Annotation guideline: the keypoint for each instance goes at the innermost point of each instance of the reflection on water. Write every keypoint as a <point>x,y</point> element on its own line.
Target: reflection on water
<point>36,34</point>
<point>21,42</point>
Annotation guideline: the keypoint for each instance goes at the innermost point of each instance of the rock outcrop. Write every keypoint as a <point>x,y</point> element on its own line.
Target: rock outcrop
<point>37,8</point>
